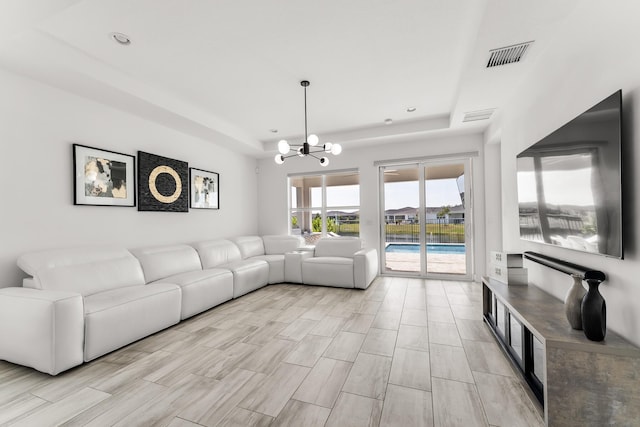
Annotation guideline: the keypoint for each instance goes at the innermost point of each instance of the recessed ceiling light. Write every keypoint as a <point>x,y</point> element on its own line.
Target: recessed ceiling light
<point>273,130</point>
<point>388,121</point>
<point>122,39</point>
<point>411,109</point>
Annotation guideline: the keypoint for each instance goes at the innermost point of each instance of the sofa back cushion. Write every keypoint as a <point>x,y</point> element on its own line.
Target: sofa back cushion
<point>163,261</point>
<point>83,270</point>
<point>249,246</point>
<point>337,247</point>
<point>277,245</point>
<point>217,252</point>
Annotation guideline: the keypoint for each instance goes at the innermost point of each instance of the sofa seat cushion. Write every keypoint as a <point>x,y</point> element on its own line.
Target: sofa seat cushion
<point>329,260</point>
<point>202,289</point>
<point>328,271</point>
<point>248,275</point>
<point>118,317</point>
<point>276,267</point>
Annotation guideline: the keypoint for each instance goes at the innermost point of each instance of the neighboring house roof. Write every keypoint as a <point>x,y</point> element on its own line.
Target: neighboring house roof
<point>452,209</point>
<point>402,211</point>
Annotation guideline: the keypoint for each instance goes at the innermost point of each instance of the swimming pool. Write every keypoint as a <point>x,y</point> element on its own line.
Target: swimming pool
<point>433,248</point>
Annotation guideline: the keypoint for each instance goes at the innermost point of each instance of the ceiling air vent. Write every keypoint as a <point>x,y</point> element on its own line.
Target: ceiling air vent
<point>472,116</point>
<point>507,55</point>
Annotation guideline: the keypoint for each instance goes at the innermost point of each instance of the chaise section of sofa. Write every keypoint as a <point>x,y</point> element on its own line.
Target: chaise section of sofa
<point>180,265</point>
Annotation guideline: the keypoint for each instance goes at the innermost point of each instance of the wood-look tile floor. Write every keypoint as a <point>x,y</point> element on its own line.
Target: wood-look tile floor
<point>405,352</point>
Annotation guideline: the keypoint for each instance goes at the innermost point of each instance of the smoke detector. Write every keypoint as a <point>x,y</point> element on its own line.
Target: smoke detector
<point>508,54</point>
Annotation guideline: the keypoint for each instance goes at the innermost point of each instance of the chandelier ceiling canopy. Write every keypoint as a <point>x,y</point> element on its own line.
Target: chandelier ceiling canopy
<point>310,145</point>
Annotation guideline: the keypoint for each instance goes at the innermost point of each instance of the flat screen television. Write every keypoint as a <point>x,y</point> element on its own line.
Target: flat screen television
<point>570,183</point>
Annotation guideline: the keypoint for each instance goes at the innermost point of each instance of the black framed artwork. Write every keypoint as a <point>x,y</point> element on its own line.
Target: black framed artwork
<point>204,189</point>
<point>102,177</point>
<point>162,184</point>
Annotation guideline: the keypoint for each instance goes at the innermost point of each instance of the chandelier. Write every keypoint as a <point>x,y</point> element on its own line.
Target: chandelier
<point>310,145</point>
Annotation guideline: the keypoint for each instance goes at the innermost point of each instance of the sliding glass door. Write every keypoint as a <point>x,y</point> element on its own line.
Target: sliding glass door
<point>425,216</point>
<point>402,229</point>
<point>447,248</point>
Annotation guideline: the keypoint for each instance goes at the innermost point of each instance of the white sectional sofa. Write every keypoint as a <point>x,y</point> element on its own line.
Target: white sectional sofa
<point>79,304</point>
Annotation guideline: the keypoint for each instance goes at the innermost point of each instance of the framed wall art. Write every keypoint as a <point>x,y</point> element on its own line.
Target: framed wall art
<point>162,184</point>
<point>204,189</point>
<point>102,177</point>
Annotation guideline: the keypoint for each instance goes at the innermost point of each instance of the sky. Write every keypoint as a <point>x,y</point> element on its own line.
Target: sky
<point>440,192</point>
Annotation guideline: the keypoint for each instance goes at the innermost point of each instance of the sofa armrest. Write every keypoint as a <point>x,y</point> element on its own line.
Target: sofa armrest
<point>41,329</point>
<point>365,267</point>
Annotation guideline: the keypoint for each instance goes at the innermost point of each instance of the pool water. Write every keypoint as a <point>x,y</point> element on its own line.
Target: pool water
<point>414,248</point>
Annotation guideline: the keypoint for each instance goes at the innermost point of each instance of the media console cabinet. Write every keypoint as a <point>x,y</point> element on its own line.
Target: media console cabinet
<point>577,381</point>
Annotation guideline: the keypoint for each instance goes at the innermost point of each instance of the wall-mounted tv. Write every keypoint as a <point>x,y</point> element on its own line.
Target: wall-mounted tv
<point>570,183</point>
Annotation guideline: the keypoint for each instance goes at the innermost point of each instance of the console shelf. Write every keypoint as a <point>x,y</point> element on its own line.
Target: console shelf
<point>578,382</point>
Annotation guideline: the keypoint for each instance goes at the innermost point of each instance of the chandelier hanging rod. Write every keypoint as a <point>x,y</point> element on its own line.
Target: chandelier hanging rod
<point>305,84</point>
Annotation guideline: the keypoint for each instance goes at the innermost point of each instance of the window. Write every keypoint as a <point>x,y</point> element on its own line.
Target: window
<point>325,205</point>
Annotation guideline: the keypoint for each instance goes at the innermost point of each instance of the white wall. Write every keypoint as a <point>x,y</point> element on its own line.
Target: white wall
<point>38,126</point>
<point>272,184</point>
<point>493,200</point>
<point>592,57</point>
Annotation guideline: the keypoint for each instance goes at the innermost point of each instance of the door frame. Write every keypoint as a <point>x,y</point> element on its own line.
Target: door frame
<point>421,163</point>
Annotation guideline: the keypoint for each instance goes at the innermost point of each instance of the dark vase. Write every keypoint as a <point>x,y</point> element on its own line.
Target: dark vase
<point>594,312</point>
